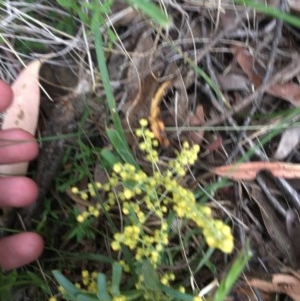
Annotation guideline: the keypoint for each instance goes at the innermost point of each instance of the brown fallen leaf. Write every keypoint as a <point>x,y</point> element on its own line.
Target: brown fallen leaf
<point>255,71</point>
<point>249,170</point>
<point>288,91</point>
<point>281,283</point>
<point>249,65</point>
<point>24,110</point>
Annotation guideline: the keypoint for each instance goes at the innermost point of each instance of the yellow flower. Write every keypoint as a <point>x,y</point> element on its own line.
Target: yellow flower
<point>84,195</point>
<point>227,246</point>
<point>74,190</point>
<point>128,194</point>
<point>85,274</point>
<point>80,218</point>
<point>117,168</point>
<point>115,245</point>
<point>143,122</point>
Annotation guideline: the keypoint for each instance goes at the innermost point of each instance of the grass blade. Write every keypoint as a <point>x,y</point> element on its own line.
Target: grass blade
<point>151,10</point>
<point>233,274</point>
<point>271,11</point>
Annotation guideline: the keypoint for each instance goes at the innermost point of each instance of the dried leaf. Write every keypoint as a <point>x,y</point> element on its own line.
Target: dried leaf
<point>281,283</point>
<point>215,144</point>
<point>288,91</point>
<point>254,70</point>
<point>249,65</point>
<point>24,111</point>
<point>291,137</point>
<point>156,123</point>
<point>249,170</point>
<point>289,140</point>
<point>233,82</point>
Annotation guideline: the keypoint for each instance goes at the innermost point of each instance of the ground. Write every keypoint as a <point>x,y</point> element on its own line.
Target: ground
<point>219,75</point>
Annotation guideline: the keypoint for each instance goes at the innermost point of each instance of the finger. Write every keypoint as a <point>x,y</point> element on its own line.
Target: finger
<point>17,146</point>
<point>17,192</point>
<point>6,95</point>
<point>20,249</point>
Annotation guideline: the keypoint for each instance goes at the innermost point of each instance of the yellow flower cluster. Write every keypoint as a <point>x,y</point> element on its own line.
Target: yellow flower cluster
<point>88,281</point>
<point>185,158</point>
<point>218,235</point>
<point>85,194</point>
<point>91,211</point>
<point>144,245</point>
<point>130,237</point>
<point>143,198</point>
<point>166,278</point>
<point>149,142</point>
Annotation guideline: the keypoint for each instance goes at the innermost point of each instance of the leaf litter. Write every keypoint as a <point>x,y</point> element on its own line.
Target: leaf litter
<point>153,77</point>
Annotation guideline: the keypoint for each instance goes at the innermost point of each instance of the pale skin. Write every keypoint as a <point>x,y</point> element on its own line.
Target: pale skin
<point>18,249</point>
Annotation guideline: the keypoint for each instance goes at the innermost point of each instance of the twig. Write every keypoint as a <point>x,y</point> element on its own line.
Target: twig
<point>269,70</point>
<point>286,74</point>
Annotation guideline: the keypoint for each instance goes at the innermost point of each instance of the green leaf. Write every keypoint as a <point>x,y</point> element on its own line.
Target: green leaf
<point>65,3</point>
<point>69,287</point>
<point>176,294</point>
<point>85,297</point>
<point>150,276</point>
<point>102,288</point>
<point>118,135</point>
<point>116,279</point>
<point>151,10</point>
<point>108,158</point>
<point>120,146</point>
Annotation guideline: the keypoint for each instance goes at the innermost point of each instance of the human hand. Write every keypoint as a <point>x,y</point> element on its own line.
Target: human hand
<point>19,249</point>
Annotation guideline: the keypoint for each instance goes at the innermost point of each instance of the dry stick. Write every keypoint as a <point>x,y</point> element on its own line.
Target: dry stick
<point>274,202</point>
<point>222,34</point>
<point>289,191</point>
<point>216,103</point>
<point>286,74</point>
<point>290,71</point>
<point>270,67</point>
